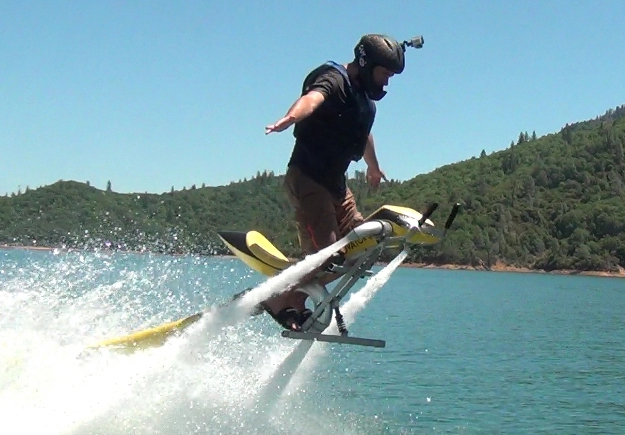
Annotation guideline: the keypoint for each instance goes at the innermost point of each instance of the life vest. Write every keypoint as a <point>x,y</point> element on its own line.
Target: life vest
<point>335,134</point>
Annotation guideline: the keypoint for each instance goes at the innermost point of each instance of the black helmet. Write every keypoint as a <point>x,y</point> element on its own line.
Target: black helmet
<point>377,50</point>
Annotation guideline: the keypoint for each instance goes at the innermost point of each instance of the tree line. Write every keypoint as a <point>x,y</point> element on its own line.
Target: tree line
<point>551,202</point>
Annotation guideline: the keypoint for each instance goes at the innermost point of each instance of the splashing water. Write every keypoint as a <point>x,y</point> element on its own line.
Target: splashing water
<point>280,282</point>
<point>287,378</point>
<point>360,299</point>
<point>225,383</point>
<point>350,309</point>
<point>239,310</point>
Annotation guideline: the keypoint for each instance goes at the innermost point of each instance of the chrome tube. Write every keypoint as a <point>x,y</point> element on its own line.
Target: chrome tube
<point>368,229</point>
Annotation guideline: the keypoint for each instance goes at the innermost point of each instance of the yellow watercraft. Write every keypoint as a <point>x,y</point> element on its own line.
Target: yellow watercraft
<point>389,229</point>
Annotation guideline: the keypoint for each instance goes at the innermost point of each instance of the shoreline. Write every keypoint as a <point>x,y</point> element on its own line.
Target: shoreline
<point>502,267</point>
<point>497,267</point>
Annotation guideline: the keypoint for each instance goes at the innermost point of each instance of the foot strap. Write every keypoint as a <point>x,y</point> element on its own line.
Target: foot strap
<point>285,317</point>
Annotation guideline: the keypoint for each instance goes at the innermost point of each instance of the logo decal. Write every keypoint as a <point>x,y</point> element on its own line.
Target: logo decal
<point>356,243</point>
<point>363,54</point>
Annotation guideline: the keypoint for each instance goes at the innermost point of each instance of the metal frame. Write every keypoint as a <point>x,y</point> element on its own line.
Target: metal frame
<point>361,268</point>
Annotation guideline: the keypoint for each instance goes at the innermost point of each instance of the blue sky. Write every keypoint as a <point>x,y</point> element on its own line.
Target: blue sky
<point>155,94</point>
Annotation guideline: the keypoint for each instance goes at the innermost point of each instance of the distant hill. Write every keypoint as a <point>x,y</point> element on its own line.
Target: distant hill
<point>554,202</point>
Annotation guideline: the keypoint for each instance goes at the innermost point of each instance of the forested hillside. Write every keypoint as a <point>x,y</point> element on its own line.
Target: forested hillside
<point>554,202</point>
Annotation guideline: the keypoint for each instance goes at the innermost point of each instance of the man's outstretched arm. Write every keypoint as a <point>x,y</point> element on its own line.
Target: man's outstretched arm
<point>303,107</point>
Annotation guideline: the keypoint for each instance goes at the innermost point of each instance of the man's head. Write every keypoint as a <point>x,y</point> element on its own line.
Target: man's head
<point>378,58</point>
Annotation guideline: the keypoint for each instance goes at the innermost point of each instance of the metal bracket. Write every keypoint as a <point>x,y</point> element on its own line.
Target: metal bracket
<point>341,339</point>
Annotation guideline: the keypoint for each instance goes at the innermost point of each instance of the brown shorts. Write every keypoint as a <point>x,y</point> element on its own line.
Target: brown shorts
<point>321,218</point>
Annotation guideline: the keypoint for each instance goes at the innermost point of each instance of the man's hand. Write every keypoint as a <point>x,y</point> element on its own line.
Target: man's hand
<point>374,176</point>
<point>281,125</point>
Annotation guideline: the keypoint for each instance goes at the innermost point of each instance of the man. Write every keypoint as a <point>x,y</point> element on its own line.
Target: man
<point>332,127</point>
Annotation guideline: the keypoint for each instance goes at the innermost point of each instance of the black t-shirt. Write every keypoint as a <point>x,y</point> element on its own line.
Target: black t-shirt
<point>336,132</point>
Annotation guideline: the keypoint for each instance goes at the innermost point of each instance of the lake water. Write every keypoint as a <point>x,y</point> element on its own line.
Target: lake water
<point>467,353</point>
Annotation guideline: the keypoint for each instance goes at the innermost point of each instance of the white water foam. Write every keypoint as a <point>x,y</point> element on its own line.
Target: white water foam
<point>360,299</point>
<point>225,383</point>
<point>293,373</point>
<point>239,310</point>
<point>282,281</point>
<point>356,303</point>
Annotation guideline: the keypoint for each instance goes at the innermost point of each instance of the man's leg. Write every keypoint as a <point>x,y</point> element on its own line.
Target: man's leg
<point>315,211</point>
<point>317,225</point>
